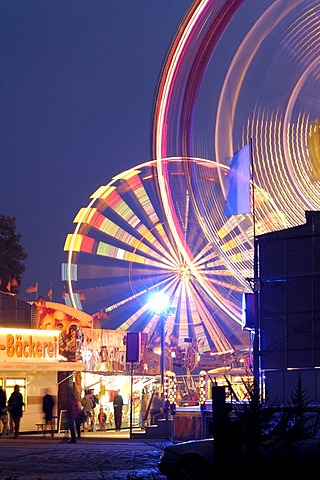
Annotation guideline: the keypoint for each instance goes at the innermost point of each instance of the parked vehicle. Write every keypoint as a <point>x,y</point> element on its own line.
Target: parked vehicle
<point>187,460</point>
<point>286,444</point>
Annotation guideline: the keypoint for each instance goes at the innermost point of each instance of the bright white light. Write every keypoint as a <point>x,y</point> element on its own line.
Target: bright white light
<point>158,302</point>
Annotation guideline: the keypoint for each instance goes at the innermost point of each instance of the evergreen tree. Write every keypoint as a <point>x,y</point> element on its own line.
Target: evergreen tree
<point>12,255</point>
<point>298,407</point>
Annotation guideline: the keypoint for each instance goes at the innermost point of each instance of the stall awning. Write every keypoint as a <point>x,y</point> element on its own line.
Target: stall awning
<point>42,366</point>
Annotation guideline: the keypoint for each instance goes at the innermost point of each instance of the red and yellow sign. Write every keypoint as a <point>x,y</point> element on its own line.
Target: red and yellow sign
<point>21,345</point>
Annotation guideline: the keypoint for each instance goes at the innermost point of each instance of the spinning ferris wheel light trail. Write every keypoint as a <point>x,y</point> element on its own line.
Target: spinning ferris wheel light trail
<point>161,225</point>
<point>123,249</point>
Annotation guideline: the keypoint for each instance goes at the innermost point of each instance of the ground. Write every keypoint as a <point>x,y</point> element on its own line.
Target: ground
<point>33,457</point>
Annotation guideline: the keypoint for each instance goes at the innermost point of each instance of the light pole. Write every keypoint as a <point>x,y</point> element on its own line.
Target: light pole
<point>159,303</point>
<point>163,316</point>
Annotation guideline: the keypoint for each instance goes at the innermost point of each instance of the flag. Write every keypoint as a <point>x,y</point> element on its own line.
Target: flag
<point>32,289</point>
<point>238,183</point>
<point>50,293</point>
<point>102,314</point>
<point>12,284</point>
<point>41,301</point>
<point>82,296</point>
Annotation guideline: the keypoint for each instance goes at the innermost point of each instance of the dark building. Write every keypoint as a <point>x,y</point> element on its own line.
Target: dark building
<point>14,312</point>
<point>288,309</point>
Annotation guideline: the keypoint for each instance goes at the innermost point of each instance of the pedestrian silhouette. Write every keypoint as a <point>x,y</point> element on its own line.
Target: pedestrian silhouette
<point>117,409</point>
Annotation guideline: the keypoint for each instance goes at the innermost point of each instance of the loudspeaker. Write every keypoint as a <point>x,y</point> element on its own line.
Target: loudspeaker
<point>133,347</point>
<point>248,310</point>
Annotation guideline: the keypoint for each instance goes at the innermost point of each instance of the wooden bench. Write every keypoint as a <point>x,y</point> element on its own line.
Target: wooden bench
<point>41,427</point>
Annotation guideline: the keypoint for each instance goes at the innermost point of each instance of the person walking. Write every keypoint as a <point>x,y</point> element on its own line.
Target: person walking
<point>88,408</point>
<point>4,421</point>
<point>95,403</point>
<point>3,398</point>
<point>72,414</point>
<point>3,411</point>
<point>81,418</point>
<point>117,409</point>
<point>15,406</point>
<point>48,404</point>
<point>156,408</point>
<point>144,403</point>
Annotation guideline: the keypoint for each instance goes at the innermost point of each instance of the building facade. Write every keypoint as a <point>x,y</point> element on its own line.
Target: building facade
<point>288,310</point>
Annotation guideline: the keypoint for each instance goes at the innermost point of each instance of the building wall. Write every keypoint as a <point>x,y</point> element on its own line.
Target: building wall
<point>281,383</point>
<point>289,309</point>
<point>32,386</point>
<point>14,312</point>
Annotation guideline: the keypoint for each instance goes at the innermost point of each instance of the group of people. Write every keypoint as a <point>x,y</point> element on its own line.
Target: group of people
<point>11,412</point>
<point>78,413</point>
<point>83,413</point>
<point>89,402</point>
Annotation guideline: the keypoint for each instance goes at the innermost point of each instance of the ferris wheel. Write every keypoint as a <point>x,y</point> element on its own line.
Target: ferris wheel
<point>227,82</point>
<point>123,249</point>
<point>161,225</point>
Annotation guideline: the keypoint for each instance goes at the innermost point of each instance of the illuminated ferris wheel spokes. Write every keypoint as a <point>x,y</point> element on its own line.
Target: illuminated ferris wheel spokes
<point>123,249</point>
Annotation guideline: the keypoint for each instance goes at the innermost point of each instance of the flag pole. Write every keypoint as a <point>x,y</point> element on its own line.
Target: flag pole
<point>36,290</point>
<point>256,288</point>
<point>253,191</point>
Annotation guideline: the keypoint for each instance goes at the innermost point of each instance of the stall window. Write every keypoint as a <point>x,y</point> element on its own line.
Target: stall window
<point>11,382</point>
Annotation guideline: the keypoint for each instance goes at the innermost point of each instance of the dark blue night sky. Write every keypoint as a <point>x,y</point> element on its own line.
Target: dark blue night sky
<point>78,81</point>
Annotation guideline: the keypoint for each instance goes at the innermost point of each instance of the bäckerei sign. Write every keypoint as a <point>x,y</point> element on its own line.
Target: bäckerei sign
<point>27,345</point>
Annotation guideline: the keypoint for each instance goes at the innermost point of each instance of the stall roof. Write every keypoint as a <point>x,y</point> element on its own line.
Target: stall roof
<point>84,318</point>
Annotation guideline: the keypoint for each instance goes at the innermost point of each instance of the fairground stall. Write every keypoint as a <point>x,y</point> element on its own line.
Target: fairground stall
<point>58,347</point>
<point>30,358</point>
<point>105,367</point>
<point>106,370</point>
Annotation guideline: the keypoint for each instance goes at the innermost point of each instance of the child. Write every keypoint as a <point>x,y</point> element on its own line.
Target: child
<point>102,418</point>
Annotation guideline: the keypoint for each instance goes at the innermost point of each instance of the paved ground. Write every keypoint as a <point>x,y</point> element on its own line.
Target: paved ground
<point>96,456</point>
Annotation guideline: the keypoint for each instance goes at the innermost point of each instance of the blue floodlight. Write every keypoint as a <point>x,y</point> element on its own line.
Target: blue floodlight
<point>158,302</point>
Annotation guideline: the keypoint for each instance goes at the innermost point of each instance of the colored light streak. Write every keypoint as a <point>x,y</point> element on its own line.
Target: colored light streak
<point>155,232</point>
<point>134,239</point>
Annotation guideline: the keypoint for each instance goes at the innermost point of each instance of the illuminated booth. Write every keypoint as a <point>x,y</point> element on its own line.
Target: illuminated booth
<point>78,355</point>
<point>30,358</point>
<point>105,367</point>
<point>50,345</point>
